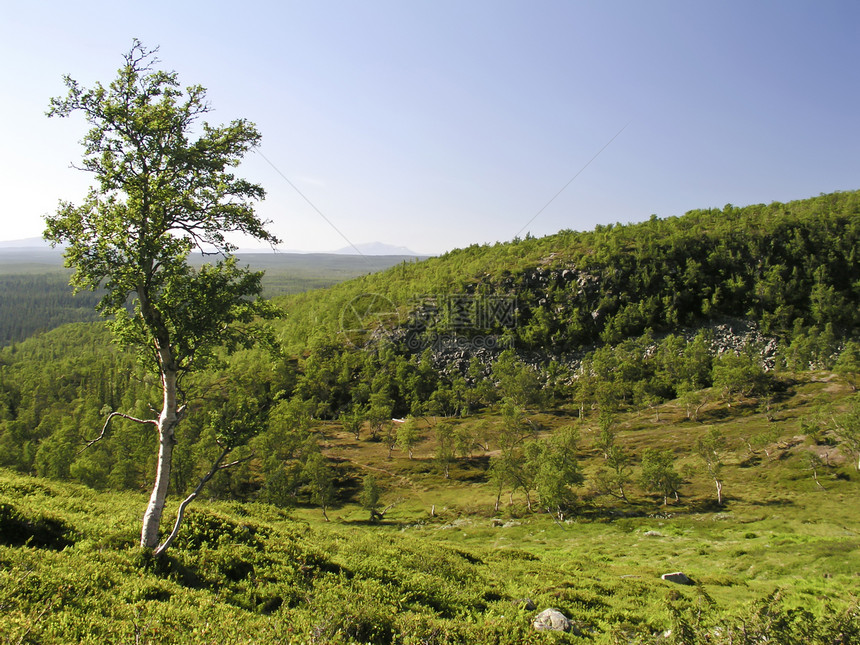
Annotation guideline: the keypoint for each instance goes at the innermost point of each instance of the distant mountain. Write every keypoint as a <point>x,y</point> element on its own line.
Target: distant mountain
<point>26,243</point>
<point>375,248</point>
<point>369,248</point>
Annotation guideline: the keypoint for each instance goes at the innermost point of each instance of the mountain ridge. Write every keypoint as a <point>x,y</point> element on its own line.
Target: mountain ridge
<point>375,248</point>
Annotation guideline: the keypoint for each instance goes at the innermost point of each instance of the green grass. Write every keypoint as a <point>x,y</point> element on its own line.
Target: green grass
<point>780,557</point>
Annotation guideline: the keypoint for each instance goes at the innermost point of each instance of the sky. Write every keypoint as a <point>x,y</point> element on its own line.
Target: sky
<point>440,124</point>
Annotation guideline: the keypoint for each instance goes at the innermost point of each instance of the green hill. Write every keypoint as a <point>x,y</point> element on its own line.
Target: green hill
<point>777,562</point>
<point>548,419</point>
<point>780,265</point>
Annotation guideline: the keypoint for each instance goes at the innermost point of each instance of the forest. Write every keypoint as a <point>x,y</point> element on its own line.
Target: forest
<point>630,380</point>
<point>37,296</point>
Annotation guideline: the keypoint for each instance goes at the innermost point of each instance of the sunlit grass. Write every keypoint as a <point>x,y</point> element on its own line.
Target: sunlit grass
<point>442,566</point>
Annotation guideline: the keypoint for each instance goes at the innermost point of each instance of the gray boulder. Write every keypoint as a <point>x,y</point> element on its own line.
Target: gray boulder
<point>552,620</point>
<point>678,577</point>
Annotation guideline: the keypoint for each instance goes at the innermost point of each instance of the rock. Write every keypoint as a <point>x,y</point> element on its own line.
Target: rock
<point>552,620</point>
<point>678,577</point>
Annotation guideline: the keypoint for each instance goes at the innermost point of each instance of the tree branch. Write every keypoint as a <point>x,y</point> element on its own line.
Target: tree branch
<point>235,463</point>
<point>378,515</point>
<point>107,422</point>
<point>180,513</point>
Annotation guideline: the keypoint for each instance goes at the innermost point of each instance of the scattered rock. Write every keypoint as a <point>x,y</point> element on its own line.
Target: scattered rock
<point>678,577</point>
<point>552,620</point>
<point>652,534</point>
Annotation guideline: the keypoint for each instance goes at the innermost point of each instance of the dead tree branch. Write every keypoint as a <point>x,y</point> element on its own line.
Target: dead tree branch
<point>107,422</point>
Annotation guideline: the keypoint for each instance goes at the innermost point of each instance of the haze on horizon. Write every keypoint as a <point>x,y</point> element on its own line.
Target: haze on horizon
<point>439,125</point>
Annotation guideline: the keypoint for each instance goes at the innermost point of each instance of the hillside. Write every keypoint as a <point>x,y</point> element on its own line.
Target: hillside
<point>560,419</point>
<point>780,265</point>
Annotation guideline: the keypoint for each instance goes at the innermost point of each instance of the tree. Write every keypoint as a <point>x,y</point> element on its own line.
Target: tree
<point>694,401</point>
<point>814,463</point>
<point>606,438</point>
<point>379,413</point>
<point>658,473</point>
<point>352,421</point>
<point>320,479</point>
<point>613,479</point>
<point>510,467</point>
<point>234,423</point>
<point>557,470</point>
<point>465,440</point>
<point>159,196</point>
<point>369,498</point>
<point>445,447</point>
<point>709,448</point>
<point>407,435</point>
<point>282,447</point>
<point>848,364</point>
<point>517,380</point>
<point>740,374</point>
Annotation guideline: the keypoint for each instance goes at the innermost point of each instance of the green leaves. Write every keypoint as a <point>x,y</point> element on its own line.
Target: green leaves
<point>237,420</point>
<point>658,473</point>
<point>160,195</point>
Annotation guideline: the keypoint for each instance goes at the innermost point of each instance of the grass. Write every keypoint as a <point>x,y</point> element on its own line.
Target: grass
<point>779,559</point>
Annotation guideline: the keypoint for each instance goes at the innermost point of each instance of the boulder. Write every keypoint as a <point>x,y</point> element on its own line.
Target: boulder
<point>678,577</point>
<point>552,620</point>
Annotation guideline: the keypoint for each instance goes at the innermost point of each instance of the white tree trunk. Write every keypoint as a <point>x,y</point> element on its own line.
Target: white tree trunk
<point>166,425</point>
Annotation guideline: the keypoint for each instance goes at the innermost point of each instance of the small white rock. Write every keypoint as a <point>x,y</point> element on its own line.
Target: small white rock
<point>552,620</point>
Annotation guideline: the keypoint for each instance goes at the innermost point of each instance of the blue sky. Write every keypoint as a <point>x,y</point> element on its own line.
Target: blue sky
<point>436,125</point>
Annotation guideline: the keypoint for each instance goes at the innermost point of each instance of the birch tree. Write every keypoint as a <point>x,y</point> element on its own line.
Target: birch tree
<point>164,188</point>
<point>658,473</point>
<point>709,447</point>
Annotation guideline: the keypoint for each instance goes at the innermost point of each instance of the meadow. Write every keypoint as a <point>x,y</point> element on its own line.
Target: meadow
<point>776,563</point>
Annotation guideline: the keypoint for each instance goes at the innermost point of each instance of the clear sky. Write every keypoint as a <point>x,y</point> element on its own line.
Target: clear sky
<point>439,124</point>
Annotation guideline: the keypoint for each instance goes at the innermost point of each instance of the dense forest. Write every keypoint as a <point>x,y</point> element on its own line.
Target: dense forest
<point>785,266</point>
<point>38,302</point>
<point>37,296</point>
